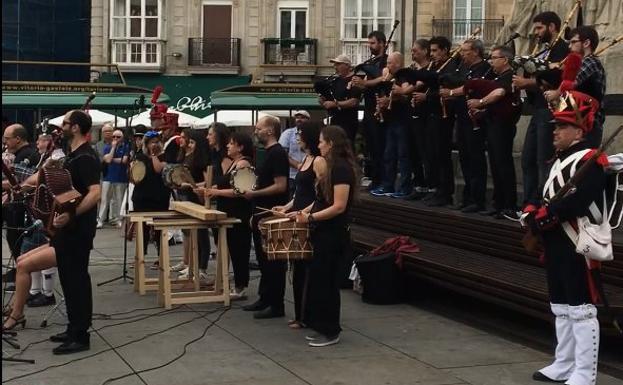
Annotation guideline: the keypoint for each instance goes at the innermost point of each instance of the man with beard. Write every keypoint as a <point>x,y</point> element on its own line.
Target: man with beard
<point>272,190</point>
<point>73,239</point>
<point>471,141</point>
<point>374,135</point>
<point>537,149</point>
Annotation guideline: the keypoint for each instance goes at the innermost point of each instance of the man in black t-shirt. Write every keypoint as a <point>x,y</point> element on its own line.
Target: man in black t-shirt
<point>74,235</point>
<point>501,132</point>
<point>343,109</point>
<point>15,140</point>
<point>271,191</point>
<point>538,149</point>
<point>471,142</point>
<point>373,133</point>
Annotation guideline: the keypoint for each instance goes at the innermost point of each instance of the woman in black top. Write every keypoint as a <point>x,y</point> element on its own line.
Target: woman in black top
<point>218,138</point>
<point>305,193</point>
<point>240,150</point>
<point>329,219</point>
<point>194,155</point>
<point>150,194</point>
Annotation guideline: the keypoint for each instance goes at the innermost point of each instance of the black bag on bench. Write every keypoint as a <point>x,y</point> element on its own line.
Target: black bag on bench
<point>382,281</point>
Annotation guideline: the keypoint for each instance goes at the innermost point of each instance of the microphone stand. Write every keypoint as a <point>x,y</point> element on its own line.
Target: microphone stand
<point>138,106</point>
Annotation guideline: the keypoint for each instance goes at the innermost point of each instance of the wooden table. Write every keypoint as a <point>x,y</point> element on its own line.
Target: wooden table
<point>220,293</point>
<point>141,283</point>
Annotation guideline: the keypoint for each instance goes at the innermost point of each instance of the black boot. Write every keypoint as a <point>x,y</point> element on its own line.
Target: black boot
<point>269,312</point>
<point>256,306</point>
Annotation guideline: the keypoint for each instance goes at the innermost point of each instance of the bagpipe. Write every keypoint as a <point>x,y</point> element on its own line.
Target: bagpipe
<point>507,107</point>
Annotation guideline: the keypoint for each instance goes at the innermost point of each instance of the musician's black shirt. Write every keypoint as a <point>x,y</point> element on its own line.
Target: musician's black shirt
<point>151,191</point>
<point>559,52</point>
<point>401,107</point>
<point>344,117</point>
<point>275,165</point>
<point>85,168</point>
<point>341,173</point>
<point>505,80</point>
<point>475,71</point>
<point>369,96</point>
<point>433,98</point>
<point>25,152</point>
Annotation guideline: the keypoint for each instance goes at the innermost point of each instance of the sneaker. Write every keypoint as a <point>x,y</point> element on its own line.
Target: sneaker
<point>99,225</point>
<point>313,337</point>
<point>183,273</point>
<point>203,275</point>
<point>237,294</point>
<point>43,300</point>
<point>380,192</point>
<point>324,341</point>
<point>181,266</point>
<point>399,194</point>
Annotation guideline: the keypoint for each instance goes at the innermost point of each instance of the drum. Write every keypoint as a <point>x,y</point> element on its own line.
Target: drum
<point>284,239</point>
<point>174,175</point>
<point>137,171</point>
<point>243,180</point>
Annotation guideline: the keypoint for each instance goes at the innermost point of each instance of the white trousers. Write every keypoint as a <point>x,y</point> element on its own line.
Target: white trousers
<point>112,196</point>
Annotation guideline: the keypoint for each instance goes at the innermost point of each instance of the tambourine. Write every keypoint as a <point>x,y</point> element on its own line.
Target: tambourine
<point>174,175</point>
<point>243,180</point>
<point>137,171</point>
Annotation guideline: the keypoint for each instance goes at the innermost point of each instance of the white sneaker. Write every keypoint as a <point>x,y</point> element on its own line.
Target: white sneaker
<point>203,274</point>
<point>238,294</point>
<point>324,341</point>
<point>180,267</point>
<point>183,274</point>
<point>100,225</point>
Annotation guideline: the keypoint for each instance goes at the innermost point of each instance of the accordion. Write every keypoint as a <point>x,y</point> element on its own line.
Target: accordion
<point>54,195</point>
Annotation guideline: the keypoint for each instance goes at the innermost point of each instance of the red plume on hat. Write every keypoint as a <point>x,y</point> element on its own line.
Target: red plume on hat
<point>572,65</point>
<point>578,109</point>
<point>159,109</point>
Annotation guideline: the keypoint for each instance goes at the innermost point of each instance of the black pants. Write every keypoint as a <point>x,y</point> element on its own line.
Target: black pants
<point>567,278</point>
<point>472,159</point>
<point>72,259</point>
<point>273,280</point>
<point>13,215</point>
<point>538,150</point>
<point>239,244</point>
<point>300,278</point>
<point>500,136</point>
<point>322,312</point>
<point>440,131</point>
<point>144,205</point>
<point>418,149</point>
<point>375,145</point>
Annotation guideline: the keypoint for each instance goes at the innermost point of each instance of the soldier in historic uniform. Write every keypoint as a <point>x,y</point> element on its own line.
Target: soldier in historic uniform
<point>572,290</point>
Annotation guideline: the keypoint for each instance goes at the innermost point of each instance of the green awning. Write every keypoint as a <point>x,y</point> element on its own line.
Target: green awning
<point>103,101</point>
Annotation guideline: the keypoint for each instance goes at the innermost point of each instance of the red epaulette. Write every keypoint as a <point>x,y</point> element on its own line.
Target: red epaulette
<point>602,160</point>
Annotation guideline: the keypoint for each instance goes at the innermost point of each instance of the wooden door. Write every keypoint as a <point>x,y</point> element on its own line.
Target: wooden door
<point>217,42</point>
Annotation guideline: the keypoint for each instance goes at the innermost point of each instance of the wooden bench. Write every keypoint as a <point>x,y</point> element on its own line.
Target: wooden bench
<point>455,255</point>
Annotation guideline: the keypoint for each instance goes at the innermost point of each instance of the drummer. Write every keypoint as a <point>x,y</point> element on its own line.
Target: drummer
<point>240,151</point>
<point>328,218</point>
<point>194,155</point>
<point>310,169</point>
<point>150,194</point>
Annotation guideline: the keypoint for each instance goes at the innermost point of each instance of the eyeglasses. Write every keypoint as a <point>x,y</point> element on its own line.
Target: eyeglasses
<point>496,57</point>
<point>117,136</point>
<point>573,41</point>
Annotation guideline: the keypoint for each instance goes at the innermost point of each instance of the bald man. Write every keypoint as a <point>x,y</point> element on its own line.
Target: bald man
<point>15,141</point>
<point>272,190</point>
<point>396,118</point>
<point>115,179</point>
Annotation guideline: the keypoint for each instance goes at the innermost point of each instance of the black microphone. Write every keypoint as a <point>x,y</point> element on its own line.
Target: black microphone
<point>141,103</point>
<point>512,37</point>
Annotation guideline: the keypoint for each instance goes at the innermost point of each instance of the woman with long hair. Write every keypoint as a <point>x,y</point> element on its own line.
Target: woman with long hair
<point>194,154</point>
<point>240,151</point>
<point>310,171</point>
<point>329,218</point>
<point>218,139</point>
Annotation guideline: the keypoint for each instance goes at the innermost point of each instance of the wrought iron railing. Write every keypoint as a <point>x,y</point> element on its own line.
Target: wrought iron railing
<point>214,52</point>
<point>290,51</point>
<point>458,30</point>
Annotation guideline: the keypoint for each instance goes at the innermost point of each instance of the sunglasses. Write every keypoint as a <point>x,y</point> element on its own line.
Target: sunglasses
<point>117,136</point>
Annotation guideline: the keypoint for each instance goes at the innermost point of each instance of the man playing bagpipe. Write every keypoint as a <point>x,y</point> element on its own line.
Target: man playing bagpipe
<point>572,289</point>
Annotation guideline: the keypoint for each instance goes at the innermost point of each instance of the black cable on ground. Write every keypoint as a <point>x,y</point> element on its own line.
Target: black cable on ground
<point>120,346</point>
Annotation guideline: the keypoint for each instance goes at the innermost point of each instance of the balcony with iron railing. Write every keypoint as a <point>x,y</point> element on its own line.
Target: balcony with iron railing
<point>458,30</point>
<point>290,52</point>
<point>214,55</point>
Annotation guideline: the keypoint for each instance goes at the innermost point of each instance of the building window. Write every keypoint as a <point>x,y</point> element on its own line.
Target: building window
<point>359,18</point>
<point>135,31</point>
<point>468,15</point>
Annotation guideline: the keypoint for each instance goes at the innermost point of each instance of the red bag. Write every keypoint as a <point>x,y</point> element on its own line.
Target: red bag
<point>397,245</point>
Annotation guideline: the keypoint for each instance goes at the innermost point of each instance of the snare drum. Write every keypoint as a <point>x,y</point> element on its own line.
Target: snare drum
<point>284,239</point>
<point>173,175</point>
<point>137,171</point>
<point>243,180</point>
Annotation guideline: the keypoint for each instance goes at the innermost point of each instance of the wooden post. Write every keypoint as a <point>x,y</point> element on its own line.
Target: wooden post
<point>223,265</point>
<point>209,180</point>
<point>164,294</point>
<point>194,256</point>
<point>139,261</point>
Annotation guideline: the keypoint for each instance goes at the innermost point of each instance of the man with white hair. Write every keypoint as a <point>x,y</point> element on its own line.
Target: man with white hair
<point>115,179</point>
<point>290,143</point>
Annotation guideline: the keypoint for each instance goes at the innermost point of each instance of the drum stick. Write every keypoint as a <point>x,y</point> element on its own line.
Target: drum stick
<point>209,177</point>
<point>265,211</point>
